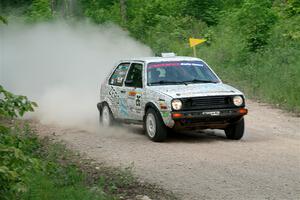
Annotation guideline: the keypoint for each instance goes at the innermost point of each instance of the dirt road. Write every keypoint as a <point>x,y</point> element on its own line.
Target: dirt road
<point>265,164</point>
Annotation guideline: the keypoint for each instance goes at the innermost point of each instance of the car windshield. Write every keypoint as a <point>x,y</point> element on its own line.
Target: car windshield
<point>179,72</point>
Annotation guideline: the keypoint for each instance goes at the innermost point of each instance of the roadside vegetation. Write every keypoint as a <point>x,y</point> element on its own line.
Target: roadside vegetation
<point>41,168</point>
<point>254,44</point>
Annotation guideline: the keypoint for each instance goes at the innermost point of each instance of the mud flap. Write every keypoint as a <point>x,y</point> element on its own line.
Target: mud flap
<point>99,106</point>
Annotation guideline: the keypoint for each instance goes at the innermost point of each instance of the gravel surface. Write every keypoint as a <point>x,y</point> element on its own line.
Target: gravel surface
<point>265,164</point>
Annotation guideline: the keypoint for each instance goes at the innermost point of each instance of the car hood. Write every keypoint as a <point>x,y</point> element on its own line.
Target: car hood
<point>192,90</point>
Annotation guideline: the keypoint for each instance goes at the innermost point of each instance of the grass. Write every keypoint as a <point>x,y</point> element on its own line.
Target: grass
<point>43,186</point>
<point>66,175</point>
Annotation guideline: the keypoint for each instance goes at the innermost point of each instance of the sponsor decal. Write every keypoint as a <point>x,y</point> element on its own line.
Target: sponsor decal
<point>191,64</point>
<point>119,79</point>
<point>162,104</point>
<point>165,114</point>
<point>168,64</point>
<point>113,95</point>
<point>174,64</point>
<point>132,93</point>
<point>123,107</point>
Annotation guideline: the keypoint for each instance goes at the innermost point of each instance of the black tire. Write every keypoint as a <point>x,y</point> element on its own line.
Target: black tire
<point>110,116</point>
<point>160,129</point>
<point>236,130</point>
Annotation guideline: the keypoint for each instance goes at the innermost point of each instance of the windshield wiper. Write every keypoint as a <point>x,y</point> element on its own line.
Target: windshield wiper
<point>200,81</point>
<point>167,82</point>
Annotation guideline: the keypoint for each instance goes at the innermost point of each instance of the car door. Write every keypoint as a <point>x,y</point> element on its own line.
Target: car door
<point>115,90</point>
<point>133,90</point>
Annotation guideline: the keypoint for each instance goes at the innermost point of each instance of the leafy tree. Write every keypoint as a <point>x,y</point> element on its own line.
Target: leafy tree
<point>255,20</point>
<point>205,10</point>
<point>14,105</point>
<point>293,7</point>
<point>230,4</point>
<point>14,164</point>
<point>40,10</point>
<point>101,11</point>
<point>14,3</point>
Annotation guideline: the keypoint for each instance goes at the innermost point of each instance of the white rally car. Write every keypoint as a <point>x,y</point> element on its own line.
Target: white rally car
<point>172,92</point>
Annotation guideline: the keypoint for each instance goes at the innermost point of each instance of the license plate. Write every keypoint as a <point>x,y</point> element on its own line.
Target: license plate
<point>211,113</point>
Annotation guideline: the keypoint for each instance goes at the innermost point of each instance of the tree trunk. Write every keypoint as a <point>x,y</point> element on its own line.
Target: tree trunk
<point>52,7</point>
<point>123,11</point>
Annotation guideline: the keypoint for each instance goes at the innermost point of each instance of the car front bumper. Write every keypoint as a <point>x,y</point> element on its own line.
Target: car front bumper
<point>204,119</point>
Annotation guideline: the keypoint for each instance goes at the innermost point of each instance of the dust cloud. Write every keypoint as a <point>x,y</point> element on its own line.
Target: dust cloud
<point>61,66</point>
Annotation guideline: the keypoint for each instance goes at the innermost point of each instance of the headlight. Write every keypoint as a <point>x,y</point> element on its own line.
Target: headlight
<point>238,100</point>
<point>176,104</point>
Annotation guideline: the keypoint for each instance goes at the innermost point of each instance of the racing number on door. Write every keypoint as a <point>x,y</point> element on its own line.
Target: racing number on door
<point>138,100</point>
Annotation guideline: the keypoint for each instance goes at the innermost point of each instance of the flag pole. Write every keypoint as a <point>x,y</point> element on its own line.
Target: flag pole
<point>194,49</point>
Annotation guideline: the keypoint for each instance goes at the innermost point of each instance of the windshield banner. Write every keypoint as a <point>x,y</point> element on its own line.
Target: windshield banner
<point>174,64</point>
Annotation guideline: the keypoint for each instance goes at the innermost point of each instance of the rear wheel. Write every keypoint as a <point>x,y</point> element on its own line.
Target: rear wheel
<point>236,130</point>
<point>154,126</point>
<point>106,117</point>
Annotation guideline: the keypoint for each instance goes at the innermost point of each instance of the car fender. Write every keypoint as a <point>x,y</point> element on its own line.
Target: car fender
<point>162,104</point>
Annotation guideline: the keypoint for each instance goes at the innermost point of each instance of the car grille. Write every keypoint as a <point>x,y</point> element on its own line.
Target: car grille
<point>208,102</point>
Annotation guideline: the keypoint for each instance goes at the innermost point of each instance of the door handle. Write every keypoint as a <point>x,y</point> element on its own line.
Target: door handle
<point>123,91</point>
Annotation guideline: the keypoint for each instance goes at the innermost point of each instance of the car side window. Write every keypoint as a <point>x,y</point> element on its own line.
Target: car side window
<point>134,77</point>
<point>117,78</point>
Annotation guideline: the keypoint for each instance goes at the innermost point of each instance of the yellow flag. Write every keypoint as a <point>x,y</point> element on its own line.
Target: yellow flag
<point>195,41</point>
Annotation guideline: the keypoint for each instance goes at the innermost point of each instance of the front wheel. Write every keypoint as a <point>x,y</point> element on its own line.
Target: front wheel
<point>154,126</point>
<point>236,130</point>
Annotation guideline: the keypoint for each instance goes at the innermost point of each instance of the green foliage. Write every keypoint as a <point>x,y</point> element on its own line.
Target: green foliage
<point>3,20</point>
<point>44,187</point>
<point>205,10</point>
<point>255,20</point>
<point>14,105</point>
<point>29,171</point>
<point>14,3</point>
<point>14,166</point>
<point>101,11</point>
<point>39,10</point>
<point>31,168</point>
<point>293,7</point>
<point>270,73</point>
<point>15,162</point>
<point>178,29</point>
